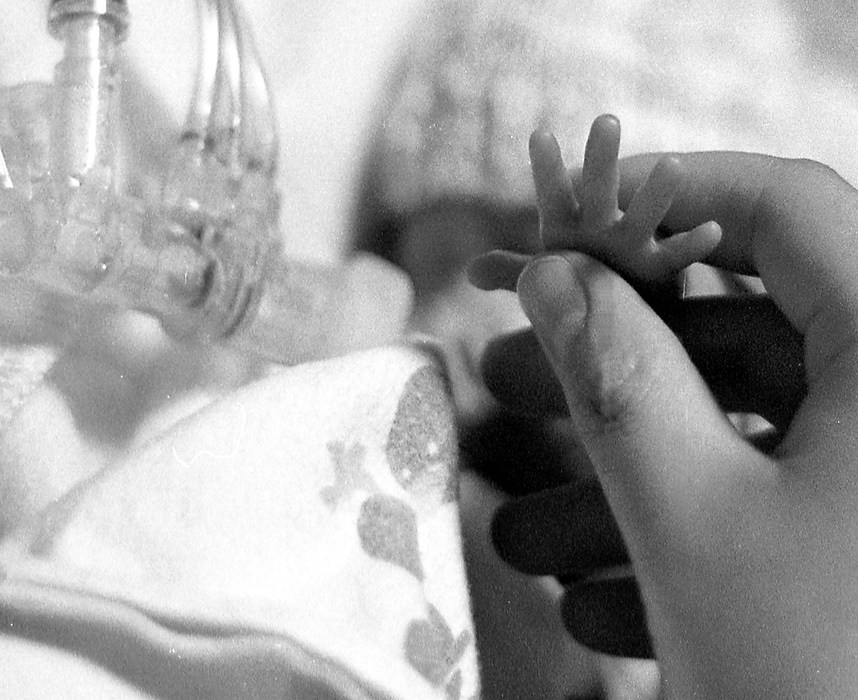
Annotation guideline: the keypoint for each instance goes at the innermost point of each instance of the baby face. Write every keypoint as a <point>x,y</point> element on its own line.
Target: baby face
<point>435,248</point>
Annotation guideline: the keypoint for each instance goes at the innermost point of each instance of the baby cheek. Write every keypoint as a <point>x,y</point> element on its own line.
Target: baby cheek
<point>464,320</point>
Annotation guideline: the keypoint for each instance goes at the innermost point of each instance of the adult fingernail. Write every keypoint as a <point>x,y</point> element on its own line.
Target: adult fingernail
<point>554,301</point>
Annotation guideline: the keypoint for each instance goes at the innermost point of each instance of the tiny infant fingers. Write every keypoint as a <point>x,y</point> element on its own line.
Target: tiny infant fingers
<point>644,255</point>
<point>582,213</point>
<point>652,201</point>
<point>600,176</point>
<point>497,269</point>
<point>683,249</point>
<point>555,195</point>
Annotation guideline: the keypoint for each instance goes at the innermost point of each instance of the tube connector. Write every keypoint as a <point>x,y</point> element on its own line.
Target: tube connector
<point>83,136</point>
<point>114,10</point>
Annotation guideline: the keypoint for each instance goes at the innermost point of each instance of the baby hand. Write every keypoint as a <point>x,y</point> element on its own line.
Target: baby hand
<point>585,217</point>
<point>581,214</point>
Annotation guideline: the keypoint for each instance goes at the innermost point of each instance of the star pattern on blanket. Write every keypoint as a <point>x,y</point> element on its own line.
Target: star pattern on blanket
<point>350,476</point>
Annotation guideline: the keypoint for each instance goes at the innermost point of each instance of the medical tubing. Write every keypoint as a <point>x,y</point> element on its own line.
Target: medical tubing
<point>85,85</point>
<point>205,258</point>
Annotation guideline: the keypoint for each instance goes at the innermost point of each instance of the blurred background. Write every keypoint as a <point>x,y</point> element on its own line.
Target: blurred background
<point>330,64</point>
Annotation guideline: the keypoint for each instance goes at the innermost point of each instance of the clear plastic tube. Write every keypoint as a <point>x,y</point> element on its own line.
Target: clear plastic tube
<point>83,119</point>
<point>205,259</point>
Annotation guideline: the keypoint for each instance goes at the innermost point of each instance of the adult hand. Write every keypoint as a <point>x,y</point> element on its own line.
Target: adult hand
<point>743,346</point>
<point>747,562</point>
<point>752,361</point>
<point>750,356</point>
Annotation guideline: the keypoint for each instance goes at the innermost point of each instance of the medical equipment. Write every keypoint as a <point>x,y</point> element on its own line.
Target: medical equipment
<point>205,258</point>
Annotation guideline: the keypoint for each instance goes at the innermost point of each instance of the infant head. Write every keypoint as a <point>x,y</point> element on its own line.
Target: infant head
<point>448,173</point>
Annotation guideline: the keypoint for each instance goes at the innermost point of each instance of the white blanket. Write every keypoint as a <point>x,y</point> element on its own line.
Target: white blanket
<point>312,543</point>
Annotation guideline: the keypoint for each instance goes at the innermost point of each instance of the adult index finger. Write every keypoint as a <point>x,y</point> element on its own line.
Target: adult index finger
<point>793,222</point>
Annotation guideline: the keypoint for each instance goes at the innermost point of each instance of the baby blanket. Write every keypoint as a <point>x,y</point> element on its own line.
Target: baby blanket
<point>298,539</point>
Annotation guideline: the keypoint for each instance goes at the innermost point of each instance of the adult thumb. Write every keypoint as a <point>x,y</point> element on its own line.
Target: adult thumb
<point>654,432</point>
